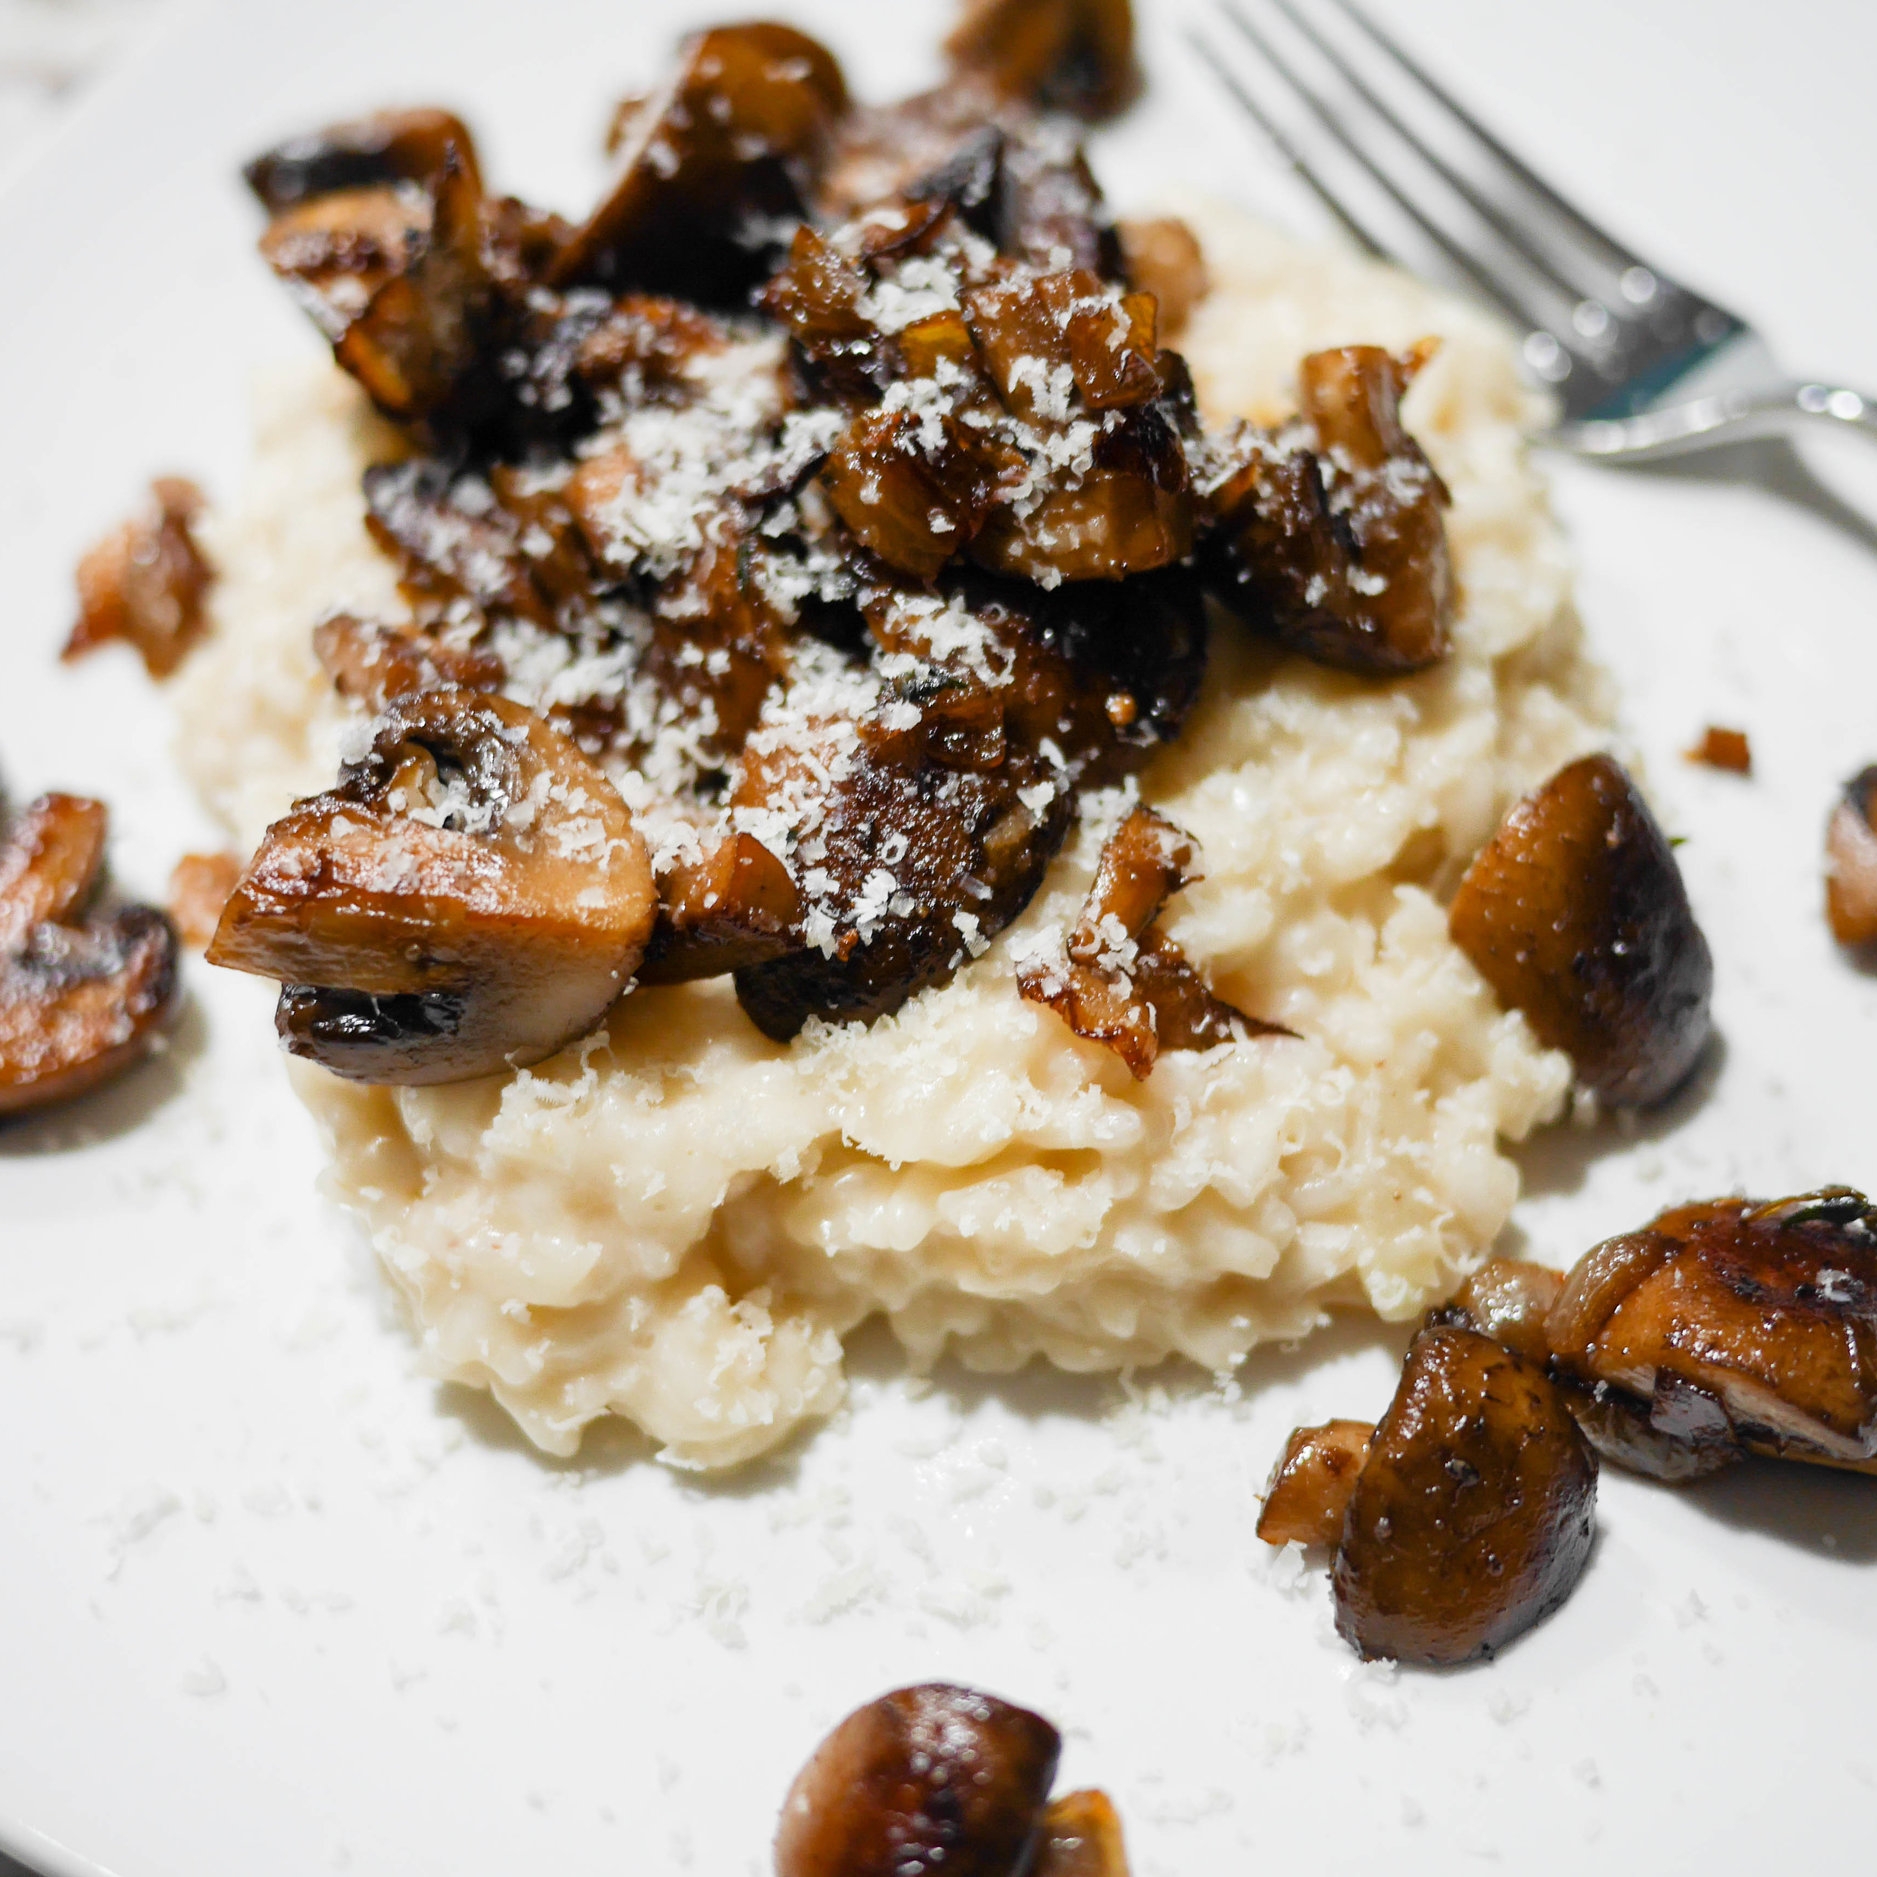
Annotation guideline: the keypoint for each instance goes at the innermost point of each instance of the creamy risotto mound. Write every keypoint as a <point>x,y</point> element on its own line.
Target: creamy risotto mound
<point>677,1221</point>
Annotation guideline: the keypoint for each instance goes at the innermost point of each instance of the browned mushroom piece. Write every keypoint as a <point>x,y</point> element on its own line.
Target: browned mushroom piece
<point>471,897</point>
<point>1337,544</point>
<point>1310,1487</point>
<point>1075,55</point>
<point>1507,1299</point>
<point>146,581</point>
<point>1735,1324</point>
<point>735,139</point>
<point>1473,1514</point>
<point>1126,986</point>
<point>1575,913</point>
<point>932,1781</point>
<point>396,278</point>
<point>1163,257</point>
<point>411,145</point>
<point>1851,862</point>
<point>1723,749</point>
<point>1081,1838</point>
<point>199,886</point>
<point>82,995</point>
<point>733,908</point>
<point>373,665</point>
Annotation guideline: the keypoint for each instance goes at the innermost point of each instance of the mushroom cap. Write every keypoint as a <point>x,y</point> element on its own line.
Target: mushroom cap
<point>474,861</point>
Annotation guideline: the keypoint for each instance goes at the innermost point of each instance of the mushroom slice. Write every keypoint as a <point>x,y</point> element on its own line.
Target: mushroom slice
<point>1473,1515</point>
<point>1122,985</point>
<point>1738,1321</point>
<point>735,139</point>
<point>932,1781</point>
<point>395,277</point>
<point>1507,1299</point>
<point>1575,913</point>
<point>1851,862</point>
<point>1075,55</point>
<point>373,665</point>
<point>1310,1487</point>
<point>146,582</point>
<point>471,897</point>
<point>81,999</point>
<point>1337,545</point>
<point>388,147</point>
<point>199,886</point>
<point>1081,1838</point>
<point>734,908</point>
<point>1163,257</point>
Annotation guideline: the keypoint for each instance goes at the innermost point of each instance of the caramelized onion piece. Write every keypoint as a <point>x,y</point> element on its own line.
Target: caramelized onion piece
<point>1507,1299</point>
<point>933,1781</point>
<point>1340,549</point>
<point>1737,1321</point>
<point>396,278</point>
<point>412,145</point>
<point>1851,862</point>
<point>736,137</point>
<point>1075,55</point>
<point>1473,1515</point>
<point>1575,913</point>
<point>81,998</point>
<point>1310,1487</point>
<point>1121,984</point>
<point>1081,1838</point>
<point>471,897</point>
<point>146,581</point>
<point>1163,257</point>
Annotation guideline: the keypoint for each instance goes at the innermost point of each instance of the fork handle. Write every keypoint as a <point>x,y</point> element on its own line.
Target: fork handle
<point>1775,409</point>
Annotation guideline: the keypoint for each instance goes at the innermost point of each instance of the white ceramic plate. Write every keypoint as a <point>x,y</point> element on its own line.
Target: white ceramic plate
<point>269,1604</point>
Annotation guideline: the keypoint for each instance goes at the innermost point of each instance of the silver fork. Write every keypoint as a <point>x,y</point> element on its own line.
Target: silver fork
<point>1641,366</point>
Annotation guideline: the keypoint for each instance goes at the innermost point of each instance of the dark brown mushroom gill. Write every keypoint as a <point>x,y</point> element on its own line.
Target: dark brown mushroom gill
<point>85,992</point>
<point>1575,913</point>
<point>471,897</point>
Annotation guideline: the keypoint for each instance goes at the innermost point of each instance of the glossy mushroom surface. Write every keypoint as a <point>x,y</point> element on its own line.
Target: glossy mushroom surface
<point>83,994</point>
<point>472,896</point>
<point>1507,1299</point>
<point>1473,1515</point>
<point>1081,1838</point>
<point>1575,913</point>
<point>1074,55</point>
<point>1311,1485</point>
<point>146,582</point>
<point>1851,862</point>
<point>1332,536</point>
<point>931,1781</point>
<point>1737,1323</point>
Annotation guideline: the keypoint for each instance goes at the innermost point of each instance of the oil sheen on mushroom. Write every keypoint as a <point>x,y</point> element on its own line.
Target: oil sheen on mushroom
<point>932,1781</point>
<point>1575,913</point>
<point>1736,1323</point>
<point>472,896</point>
<point>83,993</point>
<point>1081,1838</point>
<point>1310,1488</point>
<point>1473,1514</point>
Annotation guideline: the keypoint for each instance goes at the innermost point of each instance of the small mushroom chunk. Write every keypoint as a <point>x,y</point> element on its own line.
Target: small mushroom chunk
<point>388,147</point>
<point>1473,1514</point>
<point>1851,862</point>
<point>1311,1485</point>
<point>374,665</point>
<point>1337,543</point>
<point>81,998</point>
<point>1507,1299</point>
<point>1163,257</point>
<point>933,1781</point>
<point>1723,749</point>
<point>734,140</point>
<point>396,278</point>
<point>1075,55</point>
<point>146,582</point>
<point>1081,1838</point>
<point>199,886</point>
<point>1737,1323</point>
<point>735,907</point>
<point>1575,913</point>
<point>1121,984</point>
<point>471,897</point>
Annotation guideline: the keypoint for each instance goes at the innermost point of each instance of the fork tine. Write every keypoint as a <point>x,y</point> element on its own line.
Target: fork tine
<point>1500,223</point>
<point>1490,284</point>
<point>1283,145</point>
<point>1617,257</point>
